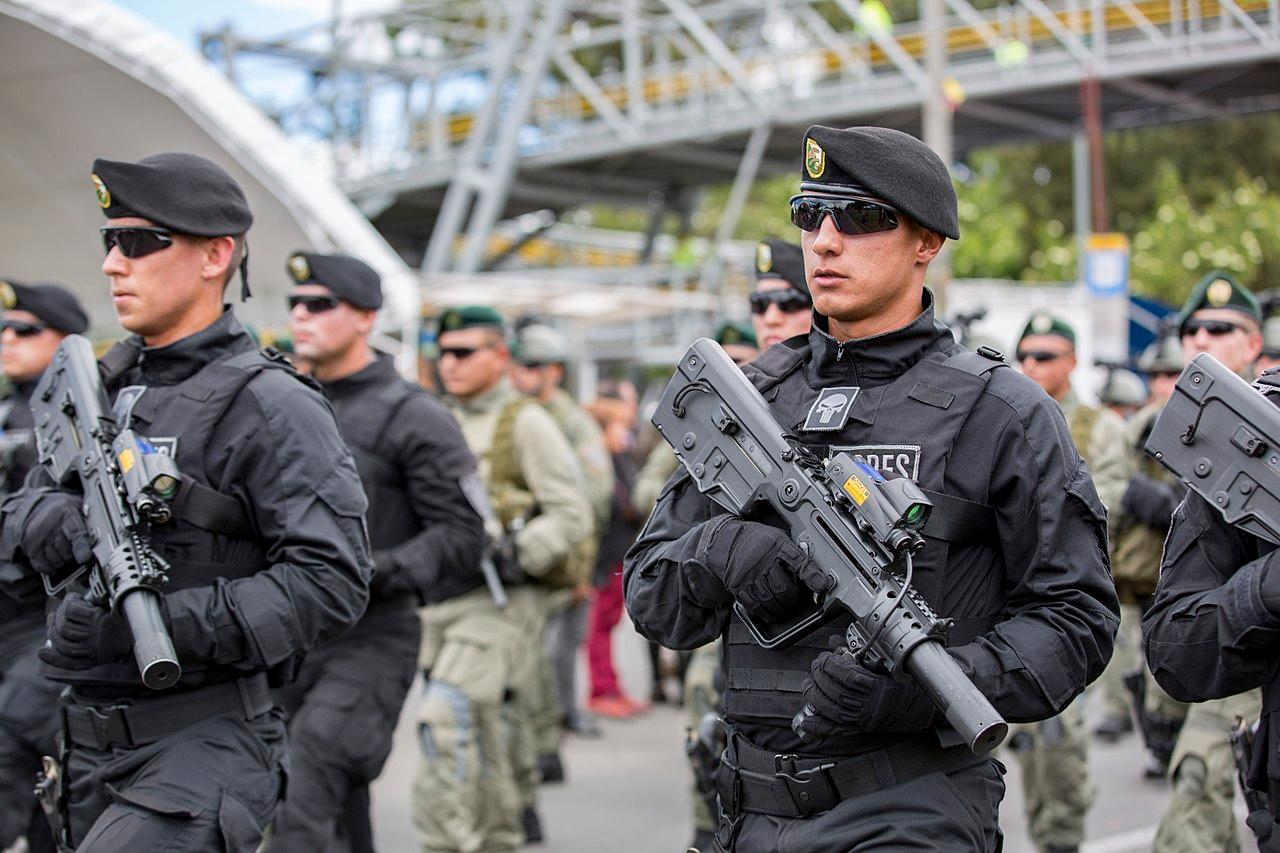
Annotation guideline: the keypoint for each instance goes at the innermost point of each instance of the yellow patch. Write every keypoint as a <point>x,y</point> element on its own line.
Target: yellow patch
<point>8,298</point>
<point>101,191</point>
<point>857,490</point>
<point>815,159</point>
<point>126,460</point>
<point>1042,324</point>
<point>299,268</point>
<point>1219,293</point>
<point>764,257</point>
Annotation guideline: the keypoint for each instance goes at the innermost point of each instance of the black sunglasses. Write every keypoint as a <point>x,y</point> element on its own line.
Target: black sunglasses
<point>135,241</point>
<point>1217,328</point>
<point>851,216</point>
<point>314,304</point>
<point>462,353</point>
<point>22,329</point>
<point>788,301</point>
<point>1040,355</point>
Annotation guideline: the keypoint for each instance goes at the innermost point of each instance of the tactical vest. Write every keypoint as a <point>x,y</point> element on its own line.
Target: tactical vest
<point>211,537</point>
<point>511,497</point>
<point>918,415</point>
<point>581,561</point>
<point>1138,548</point>
<point>364,419</point>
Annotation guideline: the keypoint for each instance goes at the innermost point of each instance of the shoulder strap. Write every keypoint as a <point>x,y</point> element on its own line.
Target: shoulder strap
<point>979,363</point>
<point>115,361</point>
<point>773,365</point>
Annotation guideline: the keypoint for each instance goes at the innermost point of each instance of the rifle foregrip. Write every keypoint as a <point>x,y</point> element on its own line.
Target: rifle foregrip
<point>966,709</point>
<point>152,647</point>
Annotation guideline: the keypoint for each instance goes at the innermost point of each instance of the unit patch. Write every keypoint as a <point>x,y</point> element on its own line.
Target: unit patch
<point>891,460</point>
<point>830,412</point>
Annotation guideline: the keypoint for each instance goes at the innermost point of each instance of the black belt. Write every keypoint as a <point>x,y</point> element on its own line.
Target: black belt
<point>765,782</point>
<point>149,720</point>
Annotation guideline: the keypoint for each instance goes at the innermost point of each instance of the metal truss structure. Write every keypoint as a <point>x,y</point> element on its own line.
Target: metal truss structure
<point>447,117</point>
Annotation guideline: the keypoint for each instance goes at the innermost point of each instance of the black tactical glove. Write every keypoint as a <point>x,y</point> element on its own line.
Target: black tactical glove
<point>844,697</point>
<point>1149,501</point>
<point>82,635</point>
<point>759,566</point>
<point>55,537</point>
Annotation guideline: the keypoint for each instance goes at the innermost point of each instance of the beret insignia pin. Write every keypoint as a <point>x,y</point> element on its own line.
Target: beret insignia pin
<point>1219,293</point>
<point>452,321</point>
<point>8,298</point>
<point>815,159</point>
<point>764,257</point>
<point>299,268</point>
<point>101,191</point>
<point>1041,324</point>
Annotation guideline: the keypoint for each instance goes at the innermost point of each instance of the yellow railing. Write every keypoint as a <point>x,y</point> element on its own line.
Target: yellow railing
<point>679,85</point>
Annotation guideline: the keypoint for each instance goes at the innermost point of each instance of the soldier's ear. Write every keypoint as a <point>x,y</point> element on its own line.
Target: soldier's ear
<point>929,245</point>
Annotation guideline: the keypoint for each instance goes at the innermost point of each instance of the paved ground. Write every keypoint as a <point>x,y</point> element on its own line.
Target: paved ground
<point>628,791</point>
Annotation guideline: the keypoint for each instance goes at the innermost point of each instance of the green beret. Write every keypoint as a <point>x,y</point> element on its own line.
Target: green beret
<point>881,163</point>
<point>470,317</point>
<point>1041,323</point>
<point>728,334</point>
<point>779,259</point>
<point>1219,289</point>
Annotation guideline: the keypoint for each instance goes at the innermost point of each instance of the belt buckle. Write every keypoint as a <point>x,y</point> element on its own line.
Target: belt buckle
<point>110,726</point>
<point>811,790</point>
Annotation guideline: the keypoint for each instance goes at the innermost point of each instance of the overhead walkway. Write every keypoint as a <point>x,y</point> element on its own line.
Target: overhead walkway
<point>526,105</point>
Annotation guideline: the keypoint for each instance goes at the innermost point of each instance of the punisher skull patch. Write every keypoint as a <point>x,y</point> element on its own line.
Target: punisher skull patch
<point>830,412</point>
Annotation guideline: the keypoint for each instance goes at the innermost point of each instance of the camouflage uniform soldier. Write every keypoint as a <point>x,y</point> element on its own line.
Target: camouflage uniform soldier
<point>476,736</point>
<point>541,354</point>
<point>1054,753</point>
<point>1140,530</point>
<point>1223,318</point>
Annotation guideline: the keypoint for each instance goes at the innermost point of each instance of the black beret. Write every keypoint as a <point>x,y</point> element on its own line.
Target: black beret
<point>779,259</point>
<point>886,164</point>
<point>351,280</point>
<point>181,192</point>
<point>54,304</point>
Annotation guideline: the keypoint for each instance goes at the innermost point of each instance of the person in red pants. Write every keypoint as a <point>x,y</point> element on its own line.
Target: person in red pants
<point>617,418</point>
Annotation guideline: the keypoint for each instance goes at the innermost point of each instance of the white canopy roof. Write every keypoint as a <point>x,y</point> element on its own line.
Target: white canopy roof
<point>89,79</point>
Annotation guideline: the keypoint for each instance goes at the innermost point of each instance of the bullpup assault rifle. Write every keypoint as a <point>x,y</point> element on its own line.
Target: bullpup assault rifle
<point>127,486</point>
<point>855,525</point>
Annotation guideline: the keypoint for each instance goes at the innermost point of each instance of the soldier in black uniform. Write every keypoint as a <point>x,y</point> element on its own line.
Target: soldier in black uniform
<point>414,464</point>
<point>36,319</point>
<point>268,549</point>
<point>1015,553</point>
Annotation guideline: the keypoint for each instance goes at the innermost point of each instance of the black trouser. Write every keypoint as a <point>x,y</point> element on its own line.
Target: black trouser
<point>343,712</point>
<point>957,811</point>
<point>212,785</point>
<point>28,730</point>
